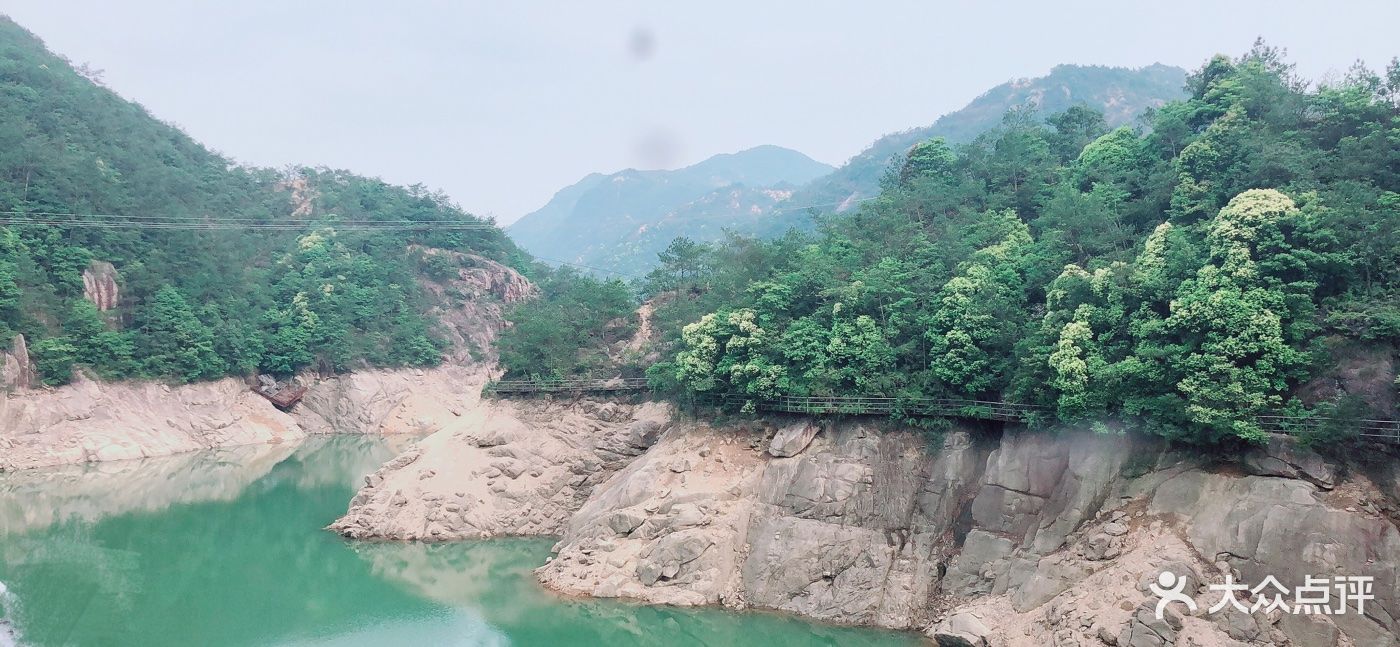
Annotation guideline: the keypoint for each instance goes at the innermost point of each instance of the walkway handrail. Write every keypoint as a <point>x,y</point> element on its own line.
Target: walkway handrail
<point>1371,429</point>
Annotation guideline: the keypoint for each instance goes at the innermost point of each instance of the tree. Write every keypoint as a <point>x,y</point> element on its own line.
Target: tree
<point>53,360</point>
<point>975,323</point>
<point>682,266</point>
<point>931,158</point>
<point>109,352</point>
<point>1074,129</point>
<point>176,345</point>
<point>569,330</point>
<point>291,332</point>
<point>10,293</point>
<point>1234,362</point>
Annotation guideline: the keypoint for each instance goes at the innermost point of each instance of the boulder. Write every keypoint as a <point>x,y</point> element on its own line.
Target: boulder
<point>670,555</point>
<point>961,630</point>
<point>1146,630</point>
<point>1281,456</point>
<point>792,439</point>
<point>623,522</point>
<point>643,433</point>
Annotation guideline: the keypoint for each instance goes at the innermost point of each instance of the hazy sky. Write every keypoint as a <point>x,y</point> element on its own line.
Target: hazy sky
<point>502,103</point>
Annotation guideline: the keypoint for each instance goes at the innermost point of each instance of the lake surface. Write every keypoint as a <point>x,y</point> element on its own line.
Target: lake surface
<point>226,547</point>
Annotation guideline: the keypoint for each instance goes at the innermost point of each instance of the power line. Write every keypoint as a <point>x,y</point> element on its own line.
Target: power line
<point>209,223</point>
<point>217,219</point>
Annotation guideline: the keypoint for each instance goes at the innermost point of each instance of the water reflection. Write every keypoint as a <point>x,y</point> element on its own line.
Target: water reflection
<point>36,499</point>
<point>494,580</point>
<point>226,548</point>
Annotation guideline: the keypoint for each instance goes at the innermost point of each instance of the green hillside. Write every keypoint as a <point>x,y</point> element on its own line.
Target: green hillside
<point>199,300</point>
<point>1220,264</point>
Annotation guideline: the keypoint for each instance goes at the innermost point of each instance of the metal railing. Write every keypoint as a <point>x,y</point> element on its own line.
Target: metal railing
<point>1382,430</point>
<point>1368,429</point>
<point>866,405</point>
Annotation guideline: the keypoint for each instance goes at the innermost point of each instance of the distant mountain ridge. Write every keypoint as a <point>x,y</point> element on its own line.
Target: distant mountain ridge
<point>1121,93</point>
<point>618,222</point>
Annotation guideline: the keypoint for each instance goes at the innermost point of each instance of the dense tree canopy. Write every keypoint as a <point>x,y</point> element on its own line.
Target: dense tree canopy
<point>570,331</point>
<point>1192,271</point>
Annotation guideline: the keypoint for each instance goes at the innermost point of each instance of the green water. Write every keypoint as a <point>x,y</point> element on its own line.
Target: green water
<point>226,548</point>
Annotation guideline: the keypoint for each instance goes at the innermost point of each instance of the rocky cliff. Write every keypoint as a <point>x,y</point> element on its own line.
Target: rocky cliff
<point>989,538</point>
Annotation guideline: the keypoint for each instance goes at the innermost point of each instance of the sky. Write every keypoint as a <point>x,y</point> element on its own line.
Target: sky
<point>500,104</point>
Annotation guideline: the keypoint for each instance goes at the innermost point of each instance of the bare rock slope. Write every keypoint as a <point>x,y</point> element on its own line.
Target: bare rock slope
<point>1018,539</point>
<point>502,468</point>
<point>90,421</point>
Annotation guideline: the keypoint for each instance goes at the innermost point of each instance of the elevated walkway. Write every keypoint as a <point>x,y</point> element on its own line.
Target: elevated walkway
<point>1375,430</point>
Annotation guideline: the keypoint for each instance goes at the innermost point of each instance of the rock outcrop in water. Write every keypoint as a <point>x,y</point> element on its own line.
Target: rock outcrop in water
<point>1013,538</point>
<point>502,468</point>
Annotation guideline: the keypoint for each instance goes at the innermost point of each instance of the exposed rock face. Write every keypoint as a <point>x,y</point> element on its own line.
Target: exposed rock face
<point>471,304</point>
<point>1282,457</point>
<point>852,530</point>
<point>1367,372</point>
<point>90,421</point>
<point>389,401</point>
<point>100,285</point>
<point>502,282</point>
<point>16,371</point>
<point>502,468</point>
<point>1027,539</point>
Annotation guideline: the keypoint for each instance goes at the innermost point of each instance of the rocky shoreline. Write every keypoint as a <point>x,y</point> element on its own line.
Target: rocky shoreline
<point>997,537</point>
<point>90,421</point>
<point>990,537</point>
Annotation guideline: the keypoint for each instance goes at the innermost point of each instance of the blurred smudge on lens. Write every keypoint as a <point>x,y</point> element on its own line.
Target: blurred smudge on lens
<point>657,148</point>
<point>641,45</point>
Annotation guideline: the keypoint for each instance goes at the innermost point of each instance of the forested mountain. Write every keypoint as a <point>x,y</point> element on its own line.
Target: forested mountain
<point>1120,94</point>
<point>89,179</point>
<point>618,222</point>
<point>1217,264</point>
